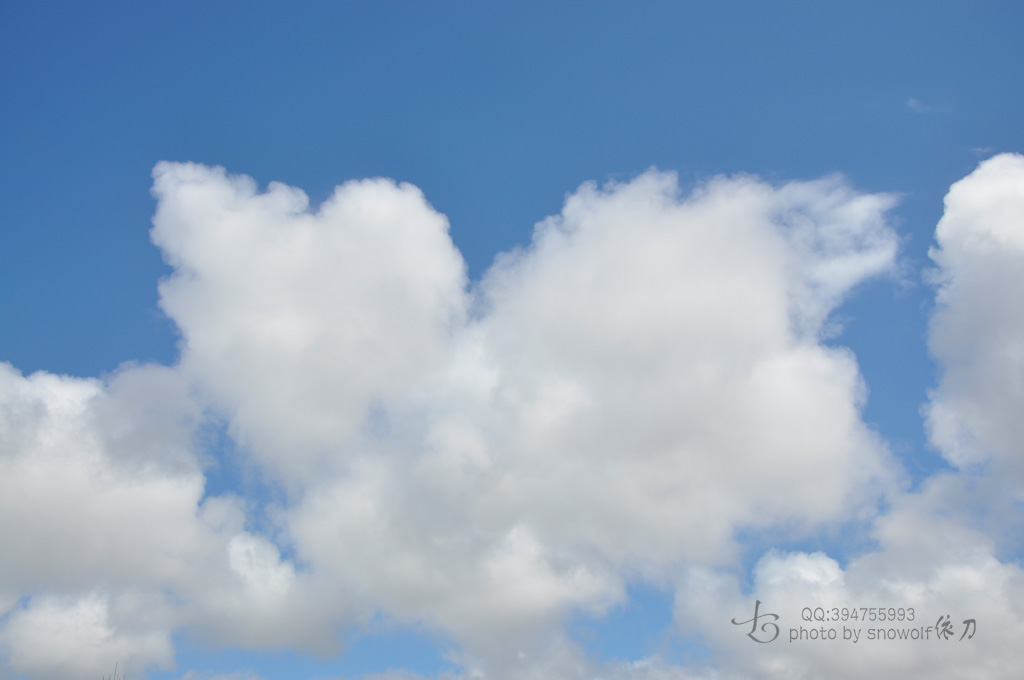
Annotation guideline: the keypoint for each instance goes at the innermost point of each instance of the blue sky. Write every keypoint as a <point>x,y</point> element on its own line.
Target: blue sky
<point>499,113</point>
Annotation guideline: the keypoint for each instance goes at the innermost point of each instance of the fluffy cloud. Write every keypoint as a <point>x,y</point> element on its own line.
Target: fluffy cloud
<point>75,455</point>
<point>949,548</point>
<point>615,401</point>
<point>928,560</point>
<point>97,485</point>
<point>296,324</point>
<point>977,333</point>
<point>109,545</point>
<point>57,637</point>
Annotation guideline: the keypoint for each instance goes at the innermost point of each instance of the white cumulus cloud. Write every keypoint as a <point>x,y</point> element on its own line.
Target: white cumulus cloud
<point>977,332</point>
<point>294,323</point>
<point>615,401</point>
<point>951,548</point>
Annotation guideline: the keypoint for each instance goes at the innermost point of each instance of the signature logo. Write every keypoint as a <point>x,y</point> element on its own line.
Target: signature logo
<point>767,628</point>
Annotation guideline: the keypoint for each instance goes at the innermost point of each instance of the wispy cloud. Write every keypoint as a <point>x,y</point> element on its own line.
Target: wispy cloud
<point>234,675</point>
<point>915,105</point>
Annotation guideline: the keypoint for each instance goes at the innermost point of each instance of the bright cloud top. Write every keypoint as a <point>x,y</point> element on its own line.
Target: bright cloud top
<point>978,328</point>
<point>615,401</point>
<point>295,323</point>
